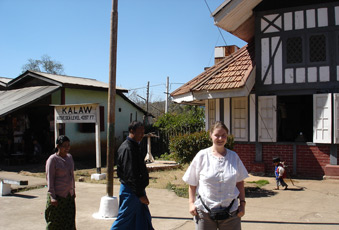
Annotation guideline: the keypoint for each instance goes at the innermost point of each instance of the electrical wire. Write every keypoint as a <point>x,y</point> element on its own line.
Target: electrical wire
<point>209,9</point>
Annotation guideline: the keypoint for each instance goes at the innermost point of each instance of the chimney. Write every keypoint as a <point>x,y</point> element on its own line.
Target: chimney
<point>220,52</point>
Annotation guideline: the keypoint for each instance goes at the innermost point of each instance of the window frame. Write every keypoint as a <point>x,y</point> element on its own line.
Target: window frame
<point>243,116</point>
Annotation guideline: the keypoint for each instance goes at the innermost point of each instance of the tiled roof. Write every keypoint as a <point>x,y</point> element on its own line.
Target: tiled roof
<point>230,73</point>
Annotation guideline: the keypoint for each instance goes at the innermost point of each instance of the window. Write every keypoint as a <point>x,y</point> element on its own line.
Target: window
<point>294,50</point>
<point>211,112</point>
<point>239,119</point>
<point>317,47</point>
<point>322,123</point>
<point>267,120</point>
<point>295,117</point>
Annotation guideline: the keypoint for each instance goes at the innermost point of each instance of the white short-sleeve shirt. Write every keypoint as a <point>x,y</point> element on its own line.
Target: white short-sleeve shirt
<point>216,178</point>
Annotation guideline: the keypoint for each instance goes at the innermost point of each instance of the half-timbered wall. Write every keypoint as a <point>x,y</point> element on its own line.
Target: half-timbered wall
<point>297,47</point>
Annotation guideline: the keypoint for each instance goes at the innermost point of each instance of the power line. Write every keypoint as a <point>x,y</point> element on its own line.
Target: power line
<point>209,9</point>
<point>145,87</point>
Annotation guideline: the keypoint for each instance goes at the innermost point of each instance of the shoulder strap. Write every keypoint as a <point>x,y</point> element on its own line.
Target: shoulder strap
<point>209,210</point>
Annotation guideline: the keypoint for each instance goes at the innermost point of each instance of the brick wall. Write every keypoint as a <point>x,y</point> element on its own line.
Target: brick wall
<point>311,160</point>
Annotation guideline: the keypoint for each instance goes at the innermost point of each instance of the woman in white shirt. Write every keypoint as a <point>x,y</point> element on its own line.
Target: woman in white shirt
<point>216,182</point>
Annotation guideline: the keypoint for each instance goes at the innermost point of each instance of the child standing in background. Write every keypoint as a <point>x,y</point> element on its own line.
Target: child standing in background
<point>279,173</point>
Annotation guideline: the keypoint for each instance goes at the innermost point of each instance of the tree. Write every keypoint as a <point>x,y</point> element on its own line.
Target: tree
<point>44,65</point>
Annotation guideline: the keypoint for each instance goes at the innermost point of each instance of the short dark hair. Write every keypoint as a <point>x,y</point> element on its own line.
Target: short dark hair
<point>134,125</point>
<point>60,140</point>
<point>276,160</point>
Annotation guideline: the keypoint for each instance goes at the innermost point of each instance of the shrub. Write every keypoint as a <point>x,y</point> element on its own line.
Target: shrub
<point>184,147</point>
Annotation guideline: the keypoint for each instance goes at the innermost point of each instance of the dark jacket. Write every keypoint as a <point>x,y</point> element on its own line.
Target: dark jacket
<point>131,167</point>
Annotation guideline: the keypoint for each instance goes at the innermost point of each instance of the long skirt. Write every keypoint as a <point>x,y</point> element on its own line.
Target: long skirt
<point>61,217</point>
<point>133,215</point>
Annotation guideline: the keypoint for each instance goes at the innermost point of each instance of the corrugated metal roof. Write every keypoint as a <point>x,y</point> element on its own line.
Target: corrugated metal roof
<point>230,73</point>
<point>74,80</point>
<point>64,79</point>
<point>14,99</point>
<point>5,79</point>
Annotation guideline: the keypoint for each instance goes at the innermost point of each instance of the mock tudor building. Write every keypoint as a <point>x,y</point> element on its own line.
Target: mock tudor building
<point>279,94</point>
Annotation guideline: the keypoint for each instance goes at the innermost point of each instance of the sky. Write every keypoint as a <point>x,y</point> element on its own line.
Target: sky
<point>156,39</point>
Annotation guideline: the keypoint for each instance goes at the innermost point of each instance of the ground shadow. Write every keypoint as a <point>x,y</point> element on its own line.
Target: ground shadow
<point>171,218</point>
<point>22,196</point>
<point>287,222</point>
<point>296,189</point>
<point>29,167</point>
<point>258,192</point>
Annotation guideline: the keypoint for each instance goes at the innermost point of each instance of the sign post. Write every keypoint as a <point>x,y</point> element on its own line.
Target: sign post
<point>81,113</point>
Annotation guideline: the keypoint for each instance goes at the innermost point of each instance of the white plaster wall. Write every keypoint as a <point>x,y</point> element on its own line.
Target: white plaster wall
<point>289,75</point>
<point>277,60</point>
<point>268,80</point>
<point>288,21</point>
<point>336,11</point>
<point>322,17</point>
<point>324,73</point>
<point>265,56</point>
<point>310,17</point>
<point>252,118</point>
<point>299,20</point>
<point>300,75</point>
<point>271,29</point>
<point>264,24</point>
<point>312,74</point>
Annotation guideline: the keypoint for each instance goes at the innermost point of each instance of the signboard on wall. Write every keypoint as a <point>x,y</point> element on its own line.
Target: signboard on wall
<point>81,113</point>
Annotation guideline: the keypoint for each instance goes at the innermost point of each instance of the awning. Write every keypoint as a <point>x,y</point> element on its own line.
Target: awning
<point>11,100</point>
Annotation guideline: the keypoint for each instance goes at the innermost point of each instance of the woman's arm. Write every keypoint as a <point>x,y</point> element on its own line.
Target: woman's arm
<point>241,187</point>
<point>191,198</point>
<point>50,177</point>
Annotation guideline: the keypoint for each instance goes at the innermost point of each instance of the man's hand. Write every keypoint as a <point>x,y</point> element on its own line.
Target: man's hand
<point>241,210</point>
<point>144,200</point>
<point>54,203</point>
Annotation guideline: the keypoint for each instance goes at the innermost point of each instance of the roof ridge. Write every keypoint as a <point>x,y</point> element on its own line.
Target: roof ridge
<point>63,75</point>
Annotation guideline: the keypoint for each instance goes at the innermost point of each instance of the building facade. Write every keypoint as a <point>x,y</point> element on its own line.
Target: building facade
<point>278,94</point>
<point>27,113</point>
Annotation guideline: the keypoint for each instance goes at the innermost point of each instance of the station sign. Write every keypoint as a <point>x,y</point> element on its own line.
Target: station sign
<point>80,113</point>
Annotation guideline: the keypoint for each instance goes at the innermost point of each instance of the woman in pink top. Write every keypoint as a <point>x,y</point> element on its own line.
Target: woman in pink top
<point>60,208</point>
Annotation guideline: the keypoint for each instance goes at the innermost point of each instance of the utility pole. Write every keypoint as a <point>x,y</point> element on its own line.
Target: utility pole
<point>109,207</point>
<point>167,93</point>
<point>111,98</point>
<point>147,97</point>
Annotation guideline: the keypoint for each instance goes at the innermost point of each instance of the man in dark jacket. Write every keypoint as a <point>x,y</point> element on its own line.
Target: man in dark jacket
<point>134,178</point>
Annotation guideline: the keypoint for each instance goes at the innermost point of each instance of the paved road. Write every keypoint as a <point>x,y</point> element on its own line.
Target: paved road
<point>311,204</point>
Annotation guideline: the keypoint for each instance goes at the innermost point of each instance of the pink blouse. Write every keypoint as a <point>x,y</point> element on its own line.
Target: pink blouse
<point>60,176</point>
